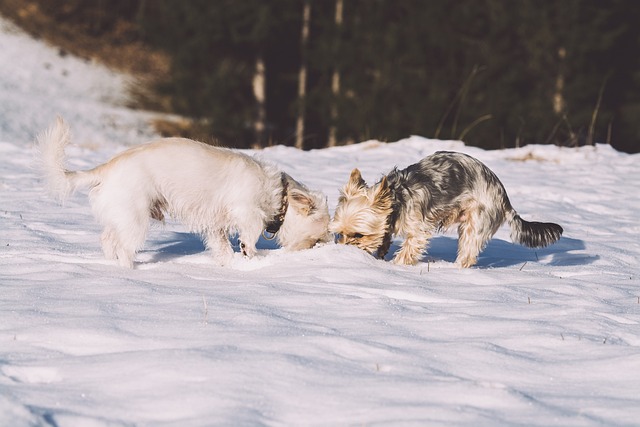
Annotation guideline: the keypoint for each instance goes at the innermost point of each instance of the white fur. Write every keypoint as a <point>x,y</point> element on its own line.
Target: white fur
<point>213,191</point>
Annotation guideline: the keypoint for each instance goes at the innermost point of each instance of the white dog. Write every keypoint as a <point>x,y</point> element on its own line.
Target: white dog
<point>215,192</point>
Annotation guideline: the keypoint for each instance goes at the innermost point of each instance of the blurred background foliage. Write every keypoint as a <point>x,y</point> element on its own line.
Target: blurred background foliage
<point>494,73</point>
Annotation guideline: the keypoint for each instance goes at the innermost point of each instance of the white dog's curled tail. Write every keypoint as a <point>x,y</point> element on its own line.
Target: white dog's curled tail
<point>51,144</point>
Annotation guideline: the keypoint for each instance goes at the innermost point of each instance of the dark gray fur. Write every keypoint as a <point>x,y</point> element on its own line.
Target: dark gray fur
<point>442,184</point>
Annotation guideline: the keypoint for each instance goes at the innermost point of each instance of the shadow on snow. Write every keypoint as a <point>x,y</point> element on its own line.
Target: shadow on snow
<point>502,253</point>
<point>498,253</point>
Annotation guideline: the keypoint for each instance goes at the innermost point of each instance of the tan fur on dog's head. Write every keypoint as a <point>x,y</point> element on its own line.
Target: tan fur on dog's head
<point>361,217</point>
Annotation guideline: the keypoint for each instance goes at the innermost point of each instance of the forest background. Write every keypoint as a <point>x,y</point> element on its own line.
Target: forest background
<point>251,73</point>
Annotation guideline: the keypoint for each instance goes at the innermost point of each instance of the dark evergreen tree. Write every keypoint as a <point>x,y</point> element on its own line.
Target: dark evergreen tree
<point>494,73</point>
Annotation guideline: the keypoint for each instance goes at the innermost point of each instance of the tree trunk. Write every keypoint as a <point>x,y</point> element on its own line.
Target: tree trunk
<point>335,79</point>
<point>259,91</point>
<point>302,75</point>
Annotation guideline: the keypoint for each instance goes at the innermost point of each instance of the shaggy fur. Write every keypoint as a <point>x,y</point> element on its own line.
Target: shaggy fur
<point>441,190</point>
<point>215,192</point>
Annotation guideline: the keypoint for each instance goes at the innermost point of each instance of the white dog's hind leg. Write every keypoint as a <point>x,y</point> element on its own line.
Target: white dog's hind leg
<point>128,242</point>
<point>124,233</point>
<point>108,244</point>
<point>120,246</point>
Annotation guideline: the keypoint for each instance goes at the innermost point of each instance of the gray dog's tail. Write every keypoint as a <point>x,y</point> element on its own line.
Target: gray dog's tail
<point>532,234</point>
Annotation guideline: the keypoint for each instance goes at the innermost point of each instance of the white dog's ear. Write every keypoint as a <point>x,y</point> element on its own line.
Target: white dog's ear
<point>302,202</point>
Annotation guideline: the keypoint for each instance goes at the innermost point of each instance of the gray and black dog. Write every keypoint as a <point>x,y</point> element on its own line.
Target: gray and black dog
<point>443,189</point>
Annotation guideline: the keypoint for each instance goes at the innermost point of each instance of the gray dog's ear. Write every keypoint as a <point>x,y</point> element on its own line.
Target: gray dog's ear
<point>382,196</point>
<point>302,202</point>
<point>356,178</point>
<point>355,185</point>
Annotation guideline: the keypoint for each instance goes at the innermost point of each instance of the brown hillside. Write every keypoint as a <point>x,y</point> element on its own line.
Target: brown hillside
<point>118,48</point>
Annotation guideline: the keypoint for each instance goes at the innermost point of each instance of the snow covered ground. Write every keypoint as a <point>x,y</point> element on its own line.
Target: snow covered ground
<point>327,336</point>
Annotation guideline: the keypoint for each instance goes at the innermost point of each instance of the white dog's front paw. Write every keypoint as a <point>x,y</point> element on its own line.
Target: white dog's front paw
<point>224,257</point>
<point>247,250</point>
